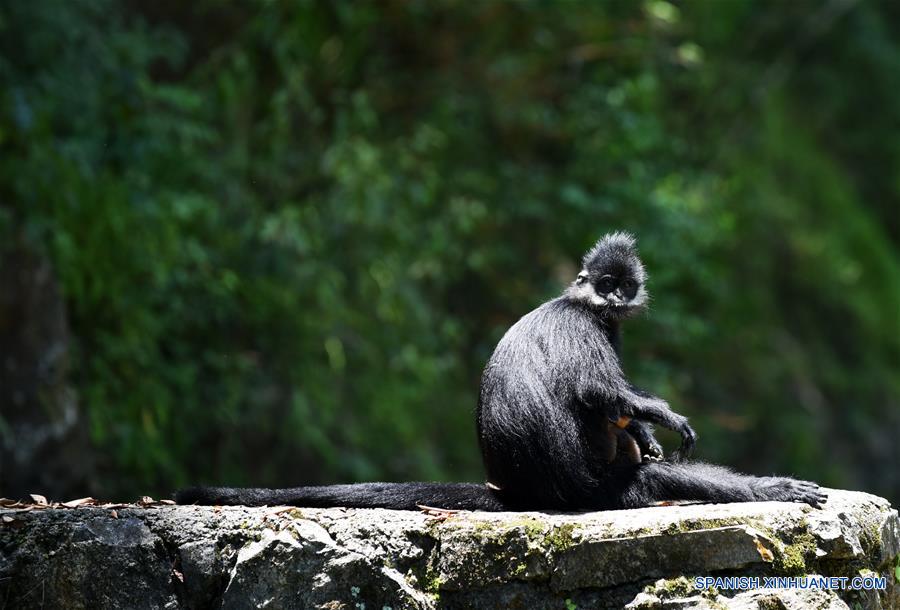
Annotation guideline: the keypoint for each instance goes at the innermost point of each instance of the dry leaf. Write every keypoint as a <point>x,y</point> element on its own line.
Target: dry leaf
<point>437,513</point>
<point>114,514</point>
<point>8,519</point>
<point>79,502</point>
<point>146,500</point>
<point>765,553</point>
<point>167,502</point>
<point>38,499</point>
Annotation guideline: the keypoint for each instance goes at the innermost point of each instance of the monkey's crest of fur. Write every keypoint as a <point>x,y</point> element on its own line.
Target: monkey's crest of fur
<point>618,246</point>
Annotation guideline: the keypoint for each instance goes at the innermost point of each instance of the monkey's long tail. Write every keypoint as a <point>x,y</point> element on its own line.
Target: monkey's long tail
<point>399,496</point>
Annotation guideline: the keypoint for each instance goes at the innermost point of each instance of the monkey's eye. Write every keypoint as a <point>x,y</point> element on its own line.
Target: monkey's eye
<point>629,287</point>
<point>606,283</point>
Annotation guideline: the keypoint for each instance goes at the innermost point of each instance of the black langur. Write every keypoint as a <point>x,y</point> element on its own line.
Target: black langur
<point>559,425</point>
<point>554,381</point>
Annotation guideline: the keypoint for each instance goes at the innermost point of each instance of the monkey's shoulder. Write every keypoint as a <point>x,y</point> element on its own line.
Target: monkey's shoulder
<point>564,315</point>
<point>560,325</point>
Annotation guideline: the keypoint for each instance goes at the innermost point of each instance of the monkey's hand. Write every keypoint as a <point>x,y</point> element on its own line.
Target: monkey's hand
<point>643,433</point>
<point>688,440</point>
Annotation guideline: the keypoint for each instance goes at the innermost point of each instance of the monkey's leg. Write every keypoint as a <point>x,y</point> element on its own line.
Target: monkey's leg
<point>661,481</point>
<point>642,432</point>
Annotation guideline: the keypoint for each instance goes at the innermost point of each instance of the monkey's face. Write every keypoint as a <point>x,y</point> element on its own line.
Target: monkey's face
<point>617,290</point>
<point>613,277</point>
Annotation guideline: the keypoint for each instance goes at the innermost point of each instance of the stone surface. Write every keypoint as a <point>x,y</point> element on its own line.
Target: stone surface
<point>236,557</point>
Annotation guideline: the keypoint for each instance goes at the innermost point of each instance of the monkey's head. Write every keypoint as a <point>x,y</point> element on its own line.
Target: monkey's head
<point>612,278</point>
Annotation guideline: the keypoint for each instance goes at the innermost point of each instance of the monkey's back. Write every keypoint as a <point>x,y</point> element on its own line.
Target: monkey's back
<point>539,439</point>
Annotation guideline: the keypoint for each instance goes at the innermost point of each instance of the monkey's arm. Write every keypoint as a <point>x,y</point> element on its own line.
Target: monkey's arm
<point>642,431</point>
<point>637,404</point>
<point>603,385</point>
<point>611,391</point>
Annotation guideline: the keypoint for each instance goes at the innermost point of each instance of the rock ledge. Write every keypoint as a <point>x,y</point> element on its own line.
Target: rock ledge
<point>236,557</point>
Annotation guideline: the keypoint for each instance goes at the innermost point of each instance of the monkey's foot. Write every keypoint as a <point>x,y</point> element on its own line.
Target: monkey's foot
<point>784,489</point>
<point>653,451</point>
<point>646,441</point>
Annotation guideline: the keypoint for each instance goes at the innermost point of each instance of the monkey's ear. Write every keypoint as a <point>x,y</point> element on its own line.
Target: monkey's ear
<point>582,278</point>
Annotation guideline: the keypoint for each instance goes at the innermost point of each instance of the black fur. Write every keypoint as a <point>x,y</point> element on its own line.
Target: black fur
<point>547,395</point>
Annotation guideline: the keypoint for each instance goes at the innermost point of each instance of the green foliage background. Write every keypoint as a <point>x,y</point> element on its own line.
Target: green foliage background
<point>289,234</point>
